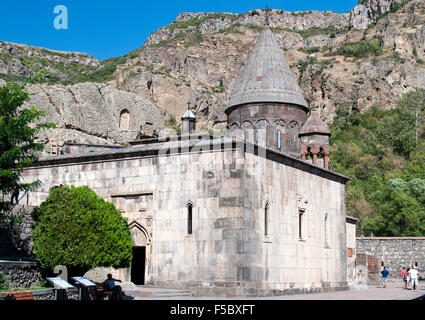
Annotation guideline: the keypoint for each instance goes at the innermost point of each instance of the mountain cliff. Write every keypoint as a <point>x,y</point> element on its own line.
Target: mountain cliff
<point>368,56</point>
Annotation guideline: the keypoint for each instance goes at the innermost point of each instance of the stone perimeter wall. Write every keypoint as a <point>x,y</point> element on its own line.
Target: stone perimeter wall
<point>395,253</point>
<point>22,274</point>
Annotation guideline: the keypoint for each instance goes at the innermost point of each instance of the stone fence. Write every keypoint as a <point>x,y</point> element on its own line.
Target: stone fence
<point>394,253</point>
<point>22,274</point>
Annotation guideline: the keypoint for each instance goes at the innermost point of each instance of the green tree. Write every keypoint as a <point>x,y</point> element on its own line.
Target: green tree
<point>400,210</point>
<point>383,151</point>
<point>76,228</point>
<point>19,128</point>
<point>402,128</point>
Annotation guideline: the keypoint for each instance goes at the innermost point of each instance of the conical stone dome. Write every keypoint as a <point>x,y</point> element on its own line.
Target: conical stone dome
<point>314,125</point>
<point>267,77</point>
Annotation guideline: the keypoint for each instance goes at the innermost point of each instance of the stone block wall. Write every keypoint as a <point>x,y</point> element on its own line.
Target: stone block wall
<point>394,253</point>
<point>210,181</point>
<point>227,188</point>
<point>23,274</point>
<point>280,261</point>
<point>15,237</point>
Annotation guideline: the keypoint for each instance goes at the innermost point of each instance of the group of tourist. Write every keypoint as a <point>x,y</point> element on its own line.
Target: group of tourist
<point>409,276</point>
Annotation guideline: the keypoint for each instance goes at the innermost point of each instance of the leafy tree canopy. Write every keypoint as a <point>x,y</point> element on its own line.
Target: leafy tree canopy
<point>19,127</point>
<point>76,228</point>
<point>384,152</point>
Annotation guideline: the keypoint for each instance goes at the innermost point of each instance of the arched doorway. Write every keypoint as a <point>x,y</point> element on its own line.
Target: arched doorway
<point>141,246</point>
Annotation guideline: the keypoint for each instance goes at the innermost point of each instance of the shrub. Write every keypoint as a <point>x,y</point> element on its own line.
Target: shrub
<point>4,281</point>
<point>76,228</point>
<point>362,48</point>
<point>310,50</point>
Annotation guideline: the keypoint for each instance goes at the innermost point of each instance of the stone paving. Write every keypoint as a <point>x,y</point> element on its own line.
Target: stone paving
<point>394,291</point>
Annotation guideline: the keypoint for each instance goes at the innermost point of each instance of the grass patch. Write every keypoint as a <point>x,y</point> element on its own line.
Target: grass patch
<point>25,289</point>
<point>6,57</point>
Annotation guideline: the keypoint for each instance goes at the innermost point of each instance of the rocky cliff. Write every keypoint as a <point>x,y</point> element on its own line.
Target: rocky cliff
<point>19,61</point>
<point>89,113</point>
<point>340,63</point>
<point>368,56</point>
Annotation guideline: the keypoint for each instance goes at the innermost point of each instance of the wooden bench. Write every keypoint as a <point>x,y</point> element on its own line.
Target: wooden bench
<point>21,295</point>
<point>102,291</point>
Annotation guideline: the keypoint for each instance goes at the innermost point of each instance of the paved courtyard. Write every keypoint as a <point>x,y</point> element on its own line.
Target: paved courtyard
<point>394,291</point>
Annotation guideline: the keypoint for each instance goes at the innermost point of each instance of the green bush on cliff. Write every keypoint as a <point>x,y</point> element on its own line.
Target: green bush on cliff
<point>362,49</point>
<point>384,152</point>
<point>76,228</point>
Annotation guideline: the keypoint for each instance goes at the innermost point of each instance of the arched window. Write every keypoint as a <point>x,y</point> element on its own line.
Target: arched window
<point>189,218</point>
<point>125,120</point>
<point>261,132</point>
<point>248,131</point>
<point>266,220</point>
<point>278,139</point>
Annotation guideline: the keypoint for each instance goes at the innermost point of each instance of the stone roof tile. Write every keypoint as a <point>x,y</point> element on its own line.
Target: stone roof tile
<point>314,124</point>
<point>267,76</point>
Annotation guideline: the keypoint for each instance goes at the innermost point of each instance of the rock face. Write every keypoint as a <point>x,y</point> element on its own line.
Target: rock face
<point>367,11</point>
<point>203,69</point>
<point>90,113</point>
<point>198,58</point>
<point>20,61</point>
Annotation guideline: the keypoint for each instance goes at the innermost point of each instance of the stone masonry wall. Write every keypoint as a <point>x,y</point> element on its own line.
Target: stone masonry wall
<point>395,253</point>
<point>15,237</point>
<point>226,252</point>
<point>208,180</point>
<point>280,260</point>
<point>23,274</point>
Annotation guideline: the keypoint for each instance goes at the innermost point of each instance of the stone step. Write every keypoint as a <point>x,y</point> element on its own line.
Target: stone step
<point>159,292</point>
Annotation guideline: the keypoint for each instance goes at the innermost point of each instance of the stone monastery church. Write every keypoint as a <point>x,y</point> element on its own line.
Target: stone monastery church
<point>258,212</point>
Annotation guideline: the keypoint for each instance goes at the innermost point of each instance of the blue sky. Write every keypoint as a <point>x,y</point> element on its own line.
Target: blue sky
<point>106,29</point>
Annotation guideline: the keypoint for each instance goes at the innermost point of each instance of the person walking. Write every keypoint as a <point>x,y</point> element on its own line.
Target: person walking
<point>408,277</point>
<point>15,195</point>
<point>404,277</point>
<point>414,279</point>
<point>384,276</point>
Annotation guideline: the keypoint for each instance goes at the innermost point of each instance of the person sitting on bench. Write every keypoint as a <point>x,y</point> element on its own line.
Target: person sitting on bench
<point>110,285</point>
